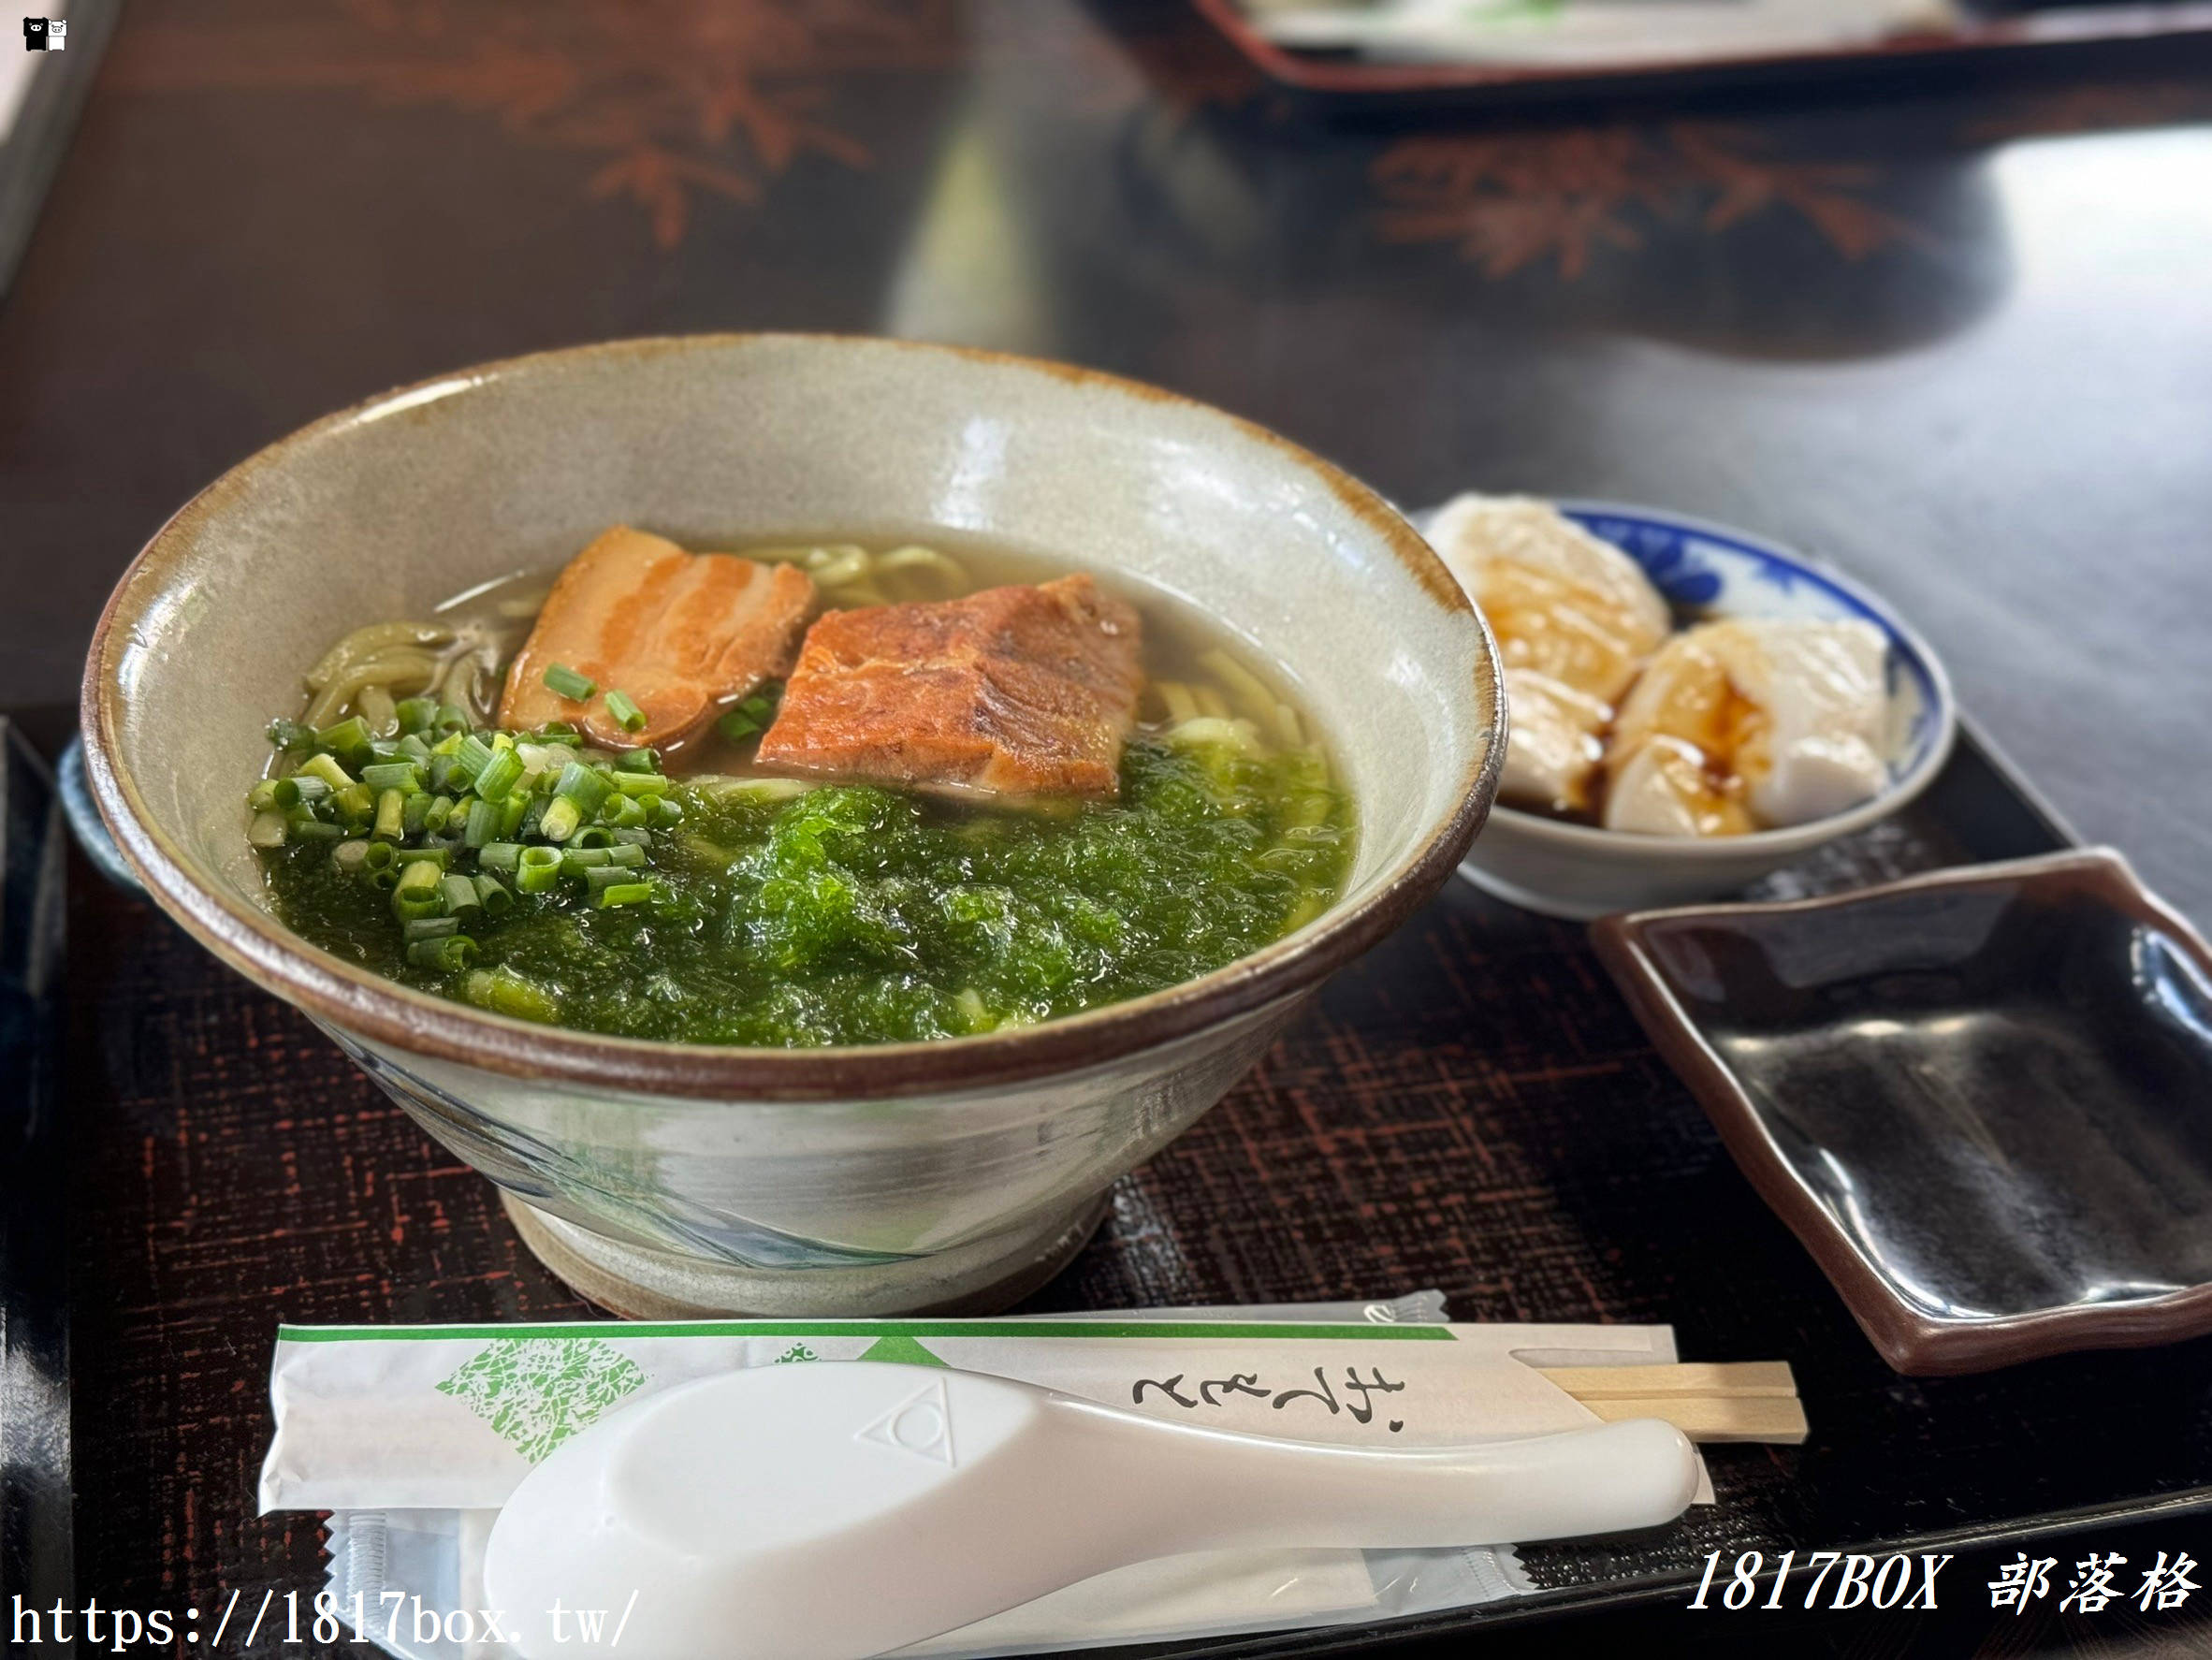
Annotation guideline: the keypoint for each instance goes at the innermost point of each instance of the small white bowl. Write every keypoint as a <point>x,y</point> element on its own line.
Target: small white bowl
<point>1576,870</point>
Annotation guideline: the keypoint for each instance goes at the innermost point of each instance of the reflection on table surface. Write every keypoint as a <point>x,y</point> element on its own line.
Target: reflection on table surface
<point>1943,334</point>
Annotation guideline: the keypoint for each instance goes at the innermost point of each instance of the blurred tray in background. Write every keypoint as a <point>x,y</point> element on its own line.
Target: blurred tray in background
<point>1346,79</point>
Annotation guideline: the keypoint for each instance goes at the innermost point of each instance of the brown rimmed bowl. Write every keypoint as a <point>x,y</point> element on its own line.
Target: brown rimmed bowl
<point>666,1178</point>
<point>1981,1098</point>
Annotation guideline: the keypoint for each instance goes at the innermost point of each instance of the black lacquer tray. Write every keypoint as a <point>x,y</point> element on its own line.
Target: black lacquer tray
<point>34,1461</point>
<point>1470,1107</point>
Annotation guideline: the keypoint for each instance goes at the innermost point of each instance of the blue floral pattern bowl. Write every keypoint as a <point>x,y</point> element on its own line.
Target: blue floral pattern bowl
<point>1705,570</point>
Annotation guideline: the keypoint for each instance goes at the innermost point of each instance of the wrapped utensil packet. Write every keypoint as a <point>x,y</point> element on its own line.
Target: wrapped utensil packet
<point>413,1437</point>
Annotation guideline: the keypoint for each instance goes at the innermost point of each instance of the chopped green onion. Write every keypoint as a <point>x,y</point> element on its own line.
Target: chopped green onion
<point>349,737</point>
<point>628,854</point>
<point>393,775</point>
<point>311,830</point>
<point>391,816</point>
<point>628,715</point>
<point>385,880</point>
<point>506,993</point>
<point>355,802</point>
<point>560,732</point>
<point>582,785</point>
<point>452,953</point>
<point>263,796</point>
<point>537,869</point>
<point>413,749</point>
<point>629,837</point>
<point>495,900</point>
<point>460,896</point>
<point>641,783</point>
<point>503,774</point>
<point>436,816</point>
<point>291,737</point>
<point>483,825</point>
<point>499,855</point>
<point>758,707</point>
<point>430,928</point>
<point>268,829</point>
<point>471,757</point>
<point>435,857</point>
<point>624,812</point>
<point>416,714</point>
<point>307,787</point>
<point>602,877</point>
<point>417,817</point>
<point>628,892</point>
<point>594,835</point>
<point>646,759</point>
<point>512,813</point>
<point>661,811</point>
<point>327,768</point>
<point>452,719</point>
<point>563,681</point>
<point>350,856</point>
<point>562,816</point>
<point>574,860</point>
<point>736,725</point>
<point>378,855</point>
<point>417,894</point>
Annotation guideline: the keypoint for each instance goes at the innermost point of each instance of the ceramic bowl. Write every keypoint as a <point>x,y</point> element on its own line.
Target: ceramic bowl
<point>1576,870</point>
<point>668,1178</point>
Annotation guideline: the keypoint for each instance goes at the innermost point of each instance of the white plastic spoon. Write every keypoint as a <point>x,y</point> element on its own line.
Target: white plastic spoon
<point>835,1509</point>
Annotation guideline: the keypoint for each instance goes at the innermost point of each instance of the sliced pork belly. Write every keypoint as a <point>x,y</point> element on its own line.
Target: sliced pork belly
<point>683,633</point>
<point>1017,691</point>
<point>1575,618</point>
<point>1751,723</point>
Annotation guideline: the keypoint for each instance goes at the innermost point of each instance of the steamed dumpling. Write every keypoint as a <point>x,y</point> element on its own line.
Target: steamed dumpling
<point>1750,723</point>
<point>1574,618</point>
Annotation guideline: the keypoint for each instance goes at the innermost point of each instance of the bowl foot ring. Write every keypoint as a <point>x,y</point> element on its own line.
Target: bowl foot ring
<point>984,1276</point>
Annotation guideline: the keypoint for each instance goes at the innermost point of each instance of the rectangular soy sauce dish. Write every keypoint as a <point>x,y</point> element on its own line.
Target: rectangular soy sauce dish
<point>1981,1098</point>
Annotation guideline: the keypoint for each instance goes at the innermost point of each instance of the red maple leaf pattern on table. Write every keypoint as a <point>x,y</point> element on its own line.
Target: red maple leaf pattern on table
<point>669,99</point>
<point>677,95</point>
<point>1509,200</point>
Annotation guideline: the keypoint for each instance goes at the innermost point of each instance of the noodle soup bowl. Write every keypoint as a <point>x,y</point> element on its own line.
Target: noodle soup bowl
<point>664,1179</point>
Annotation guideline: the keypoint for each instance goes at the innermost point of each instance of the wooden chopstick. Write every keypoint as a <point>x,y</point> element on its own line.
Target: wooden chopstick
<point>1715,1418</point>
<point>1731,1380</point>
<point>1708,1401</point>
